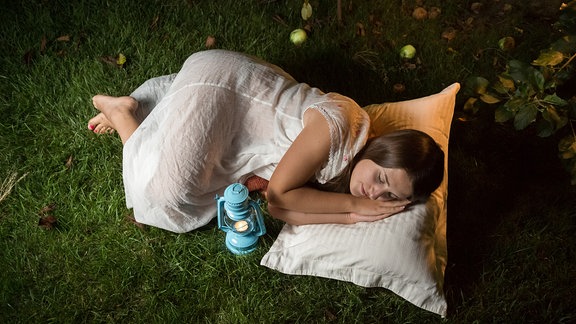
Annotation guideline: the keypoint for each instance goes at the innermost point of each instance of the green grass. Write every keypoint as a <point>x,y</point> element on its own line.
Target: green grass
<point>511,210</point>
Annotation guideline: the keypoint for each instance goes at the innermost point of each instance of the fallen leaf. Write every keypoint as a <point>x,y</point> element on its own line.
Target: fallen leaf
<point>467,118</point>
<point>329,315</point>
<point>419,13</point>
<point>154,23</point>
<point>29,57</point>
<point>360,31</point>
<point>63,38</point>
<point>48,222</point>
<point>398,88</point>
<point>476,7</point>
<point>121,60</point>
<point>449,33</point>
<point>47,209</point>
<point>43,43</point>
<point>210,41</point>
<point>434,12</point>
<point>132,220</point>
<point>114,60</point>
<point>69,162</point>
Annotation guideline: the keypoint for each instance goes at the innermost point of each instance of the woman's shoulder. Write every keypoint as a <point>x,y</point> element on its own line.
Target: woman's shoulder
<point>342,109</point>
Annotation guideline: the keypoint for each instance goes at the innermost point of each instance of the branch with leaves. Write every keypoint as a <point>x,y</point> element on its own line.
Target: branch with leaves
<point>526,93</point>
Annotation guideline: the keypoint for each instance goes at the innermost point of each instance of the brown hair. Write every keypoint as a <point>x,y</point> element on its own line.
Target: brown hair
<point>408,149</point>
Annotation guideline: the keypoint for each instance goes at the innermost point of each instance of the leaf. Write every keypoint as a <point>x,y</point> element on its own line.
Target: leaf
<point>479,85</point>
<point>502,115</point>
<point>549,58</point>
<point>47,209</point>
<point>48,222</point>
<point>69,162</point>
<point>360,31</point>
<point>470,105</point>
<point>306,11</point>
<point>567,147</point>
<point>120,60</point>
<point>525,116</point>
<point>515,104</point>
<point>29,57</point>
<point>545,128</point>
<point>551,122</point>
<point>63,38</point>
<point>132,220</point>
<point>507,82</point>
<point>114,61</point>
<point>555,100</point>
<point>537,79</point>
<point>517,71</point>
<point>210,41</point>
<point>449,33</point>
<point>43,44</point>
<point>489,99</point>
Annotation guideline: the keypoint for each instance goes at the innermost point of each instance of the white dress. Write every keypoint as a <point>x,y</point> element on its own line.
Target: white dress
<point>224,117</point>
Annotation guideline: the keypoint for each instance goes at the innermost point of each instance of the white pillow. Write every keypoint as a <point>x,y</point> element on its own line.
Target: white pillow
<point>405,253</point>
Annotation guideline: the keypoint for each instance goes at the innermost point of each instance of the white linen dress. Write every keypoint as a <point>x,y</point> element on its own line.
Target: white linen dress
<point>224,117</point>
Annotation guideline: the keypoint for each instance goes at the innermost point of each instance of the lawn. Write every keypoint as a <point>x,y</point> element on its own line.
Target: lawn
<point>512,210</point>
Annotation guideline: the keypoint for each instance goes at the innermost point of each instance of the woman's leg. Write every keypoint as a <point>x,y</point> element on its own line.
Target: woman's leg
<point>116,113</point>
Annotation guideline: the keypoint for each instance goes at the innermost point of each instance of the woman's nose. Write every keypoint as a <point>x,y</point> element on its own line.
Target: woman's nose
<point>375,192</point>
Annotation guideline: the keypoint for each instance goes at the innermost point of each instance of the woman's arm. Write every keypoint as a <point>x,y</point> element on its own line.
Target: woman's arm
<point>296,203</point>
<point>299,218</point>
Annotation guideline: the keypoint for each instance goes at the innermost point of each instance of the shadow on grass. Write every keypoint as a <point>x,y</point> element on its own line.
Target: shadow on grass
<point>333,71</point>
<point>497,177</point>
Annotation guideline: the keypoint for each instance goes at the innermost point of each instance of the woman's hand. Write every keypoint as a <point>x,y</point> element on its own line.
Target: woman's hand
<point>367,210</point>
<point>384,208</point>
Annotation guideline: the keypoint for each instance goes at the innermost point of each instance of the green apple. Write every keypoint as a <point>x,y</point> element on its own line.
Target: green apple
<point>407,52</point>
<point>298,36</point>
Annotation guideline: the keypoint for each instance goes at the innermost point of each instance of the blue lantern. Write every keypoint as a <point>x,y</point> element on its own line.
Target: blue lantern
<point>241,218</point>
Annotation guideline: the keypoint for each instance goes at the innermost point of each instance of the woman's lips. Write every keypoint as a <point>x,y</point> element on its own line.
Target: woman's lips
<point>363,191</point>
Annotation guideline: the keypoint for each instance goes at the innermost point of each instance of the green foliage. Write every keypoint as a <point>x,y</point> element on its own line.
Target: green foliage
<point>526,94</point>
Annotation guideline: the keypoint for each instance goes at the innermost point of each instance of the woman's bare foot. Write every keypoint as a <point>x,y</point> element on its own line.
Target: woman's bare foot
<point>99,124</point>
<point>116,113</point>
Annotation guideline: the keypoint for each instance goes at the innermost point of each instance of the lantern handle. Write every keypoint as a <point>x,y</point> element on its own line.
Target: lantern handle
<point>259,217</point>
<point>220,215</point>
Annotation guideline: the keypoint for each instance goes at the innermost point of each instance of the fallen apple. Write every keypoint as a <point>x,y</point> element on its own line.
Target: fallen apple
<point>407,52</point>
<point>507,43</point>
<point>298,36</point>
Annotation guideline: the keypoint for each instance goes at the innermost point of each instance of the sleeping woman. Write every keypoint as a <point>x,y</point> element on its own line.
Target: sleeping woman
<point>227,117</point>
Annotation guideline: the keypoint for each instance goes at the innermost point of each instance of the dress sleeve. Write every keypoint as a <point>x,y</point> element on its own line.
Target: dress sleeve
<point>349,128</point>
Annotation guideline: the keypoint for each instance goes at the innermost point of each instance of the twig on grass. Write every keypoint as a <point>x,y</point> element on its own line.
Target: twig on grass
<point>9,183</point>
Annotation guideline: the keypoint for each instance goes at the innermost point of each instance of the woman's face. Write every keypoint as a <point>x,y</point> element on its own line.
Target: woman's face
<point>375,182</point>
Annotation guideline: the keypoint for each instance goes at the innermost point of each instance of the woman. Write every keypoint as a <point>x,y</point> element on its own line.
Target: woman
<point>227,116</point>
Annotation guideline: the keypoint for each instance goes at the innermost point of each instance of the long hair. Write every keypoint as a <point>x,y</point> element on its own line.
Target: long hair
<point>408,149</point>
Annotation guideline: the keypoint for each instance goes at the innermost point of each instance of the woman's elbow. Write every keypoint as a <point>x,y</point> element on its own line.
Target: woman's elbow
<point>275,211</point>
<point>274,197</point>
<point>281,214</point>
